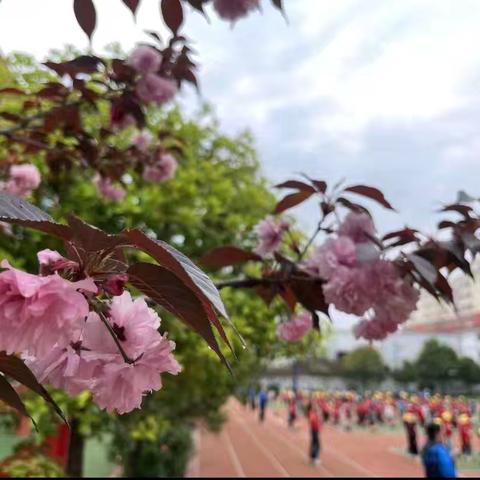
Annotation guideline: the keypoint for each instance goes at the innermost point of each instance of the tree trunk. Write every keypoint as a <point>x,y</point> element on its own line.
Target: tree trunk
<point>133,459</point>
<point>76,448</point>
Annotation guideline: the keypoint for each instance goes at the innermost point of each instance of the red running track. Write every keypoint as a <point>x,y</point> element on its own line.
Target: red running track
<point>247,448</point>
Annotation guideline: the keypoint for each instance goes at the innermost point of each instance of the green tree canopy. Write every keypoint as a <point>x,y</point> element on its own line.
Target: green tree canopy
<point>364,364</point>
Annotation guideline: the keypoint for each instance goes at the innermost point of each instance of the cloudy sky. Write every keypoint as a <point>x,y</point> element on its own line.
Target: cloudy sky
<point>384,92</point>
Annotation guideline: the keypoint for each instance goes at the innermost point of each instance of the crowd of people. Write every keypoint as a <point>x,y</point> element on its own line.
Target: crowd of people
<point>447,423</point>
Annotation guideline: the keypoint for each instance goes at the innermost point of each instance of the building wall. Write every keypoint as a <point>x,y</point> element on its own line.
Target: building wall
<point>405,345</point>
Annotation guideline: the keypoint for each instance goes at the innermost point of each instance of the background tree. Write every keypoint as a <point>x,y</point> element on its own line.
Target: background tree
<point>216,197</point>
<point>436,365</point>
<point>364,365</point>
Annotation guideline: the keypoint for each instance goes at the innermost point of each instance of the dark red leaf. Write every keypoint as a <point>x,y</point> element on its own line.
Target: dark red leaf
<point>297,185</point>
<point>226,256</point>
<point>12,91</point>
<point>446,224</point>
<point>11,117</point>
<point>10,396</point>
<point>405,233</point>
<point>278,4</point>
<point>92,238</point>
<point>180,265</point>
<point>459,208</point>
<point>82,64</point>
<point>288,297</point>
<point>169,291</point>
<point>354,207</point>
<point>197,5</point>
<point>424,268</point>
<point>172,13</point>
<point>309,293</point>
<point>320,185</point>
<point>16,369</point>
<point>132,5</point>
<point>444,288</point>
<point>267,293</point>
<point>86,15</point>
<point>292,200</point>
<point>20,212</point>
<point>370,192</point>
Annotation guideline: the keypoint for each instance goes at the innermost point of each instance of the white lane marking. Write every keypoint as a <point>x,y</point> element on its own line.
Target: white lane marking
<point>302,453</point>
<point>233,455</point>
<point>344,459</point>
<point>278,466</point>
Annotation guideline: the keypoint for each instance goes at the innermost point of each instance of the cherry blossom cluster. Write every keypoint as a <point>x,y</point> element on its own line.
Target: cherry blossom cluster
<point>295,328</point>
<point>360,282</point>
<point>151,87</point>
<point>83,334</point>
<point>22,179</point>
<point>357,279</point>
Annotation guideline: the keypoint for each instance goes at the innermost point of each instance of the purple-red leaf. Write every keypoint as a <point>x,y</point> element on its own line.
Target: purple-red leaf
<point>320,185</point>
<point>354,207</point>
<point>10,397</point>
<point>424,268</point>
<point>297,185</point>
<point>197,5</point>
<point>86,15</point>
<point>169,291</point>
<point>172,13</point>
<point>132,5</point>
<point>459,208</point>
<point>370,192</point>
<point>309,293</point>
<point>278,4</point>
<point>292,200</point>
<point>227,256</point>
<point>12,91</point>
<point>15,368</point>
<point>91,238</point>
<point>20,212</point>
<point>180,265</point>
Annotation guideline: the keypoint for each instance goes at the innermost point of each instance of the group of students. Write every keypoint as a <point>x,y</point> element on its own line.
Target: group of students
<point>443,419</point>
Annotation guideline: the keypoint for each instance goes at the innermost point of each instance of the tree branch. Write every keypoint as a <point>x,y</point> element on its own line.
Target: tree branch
<point>250,282</point>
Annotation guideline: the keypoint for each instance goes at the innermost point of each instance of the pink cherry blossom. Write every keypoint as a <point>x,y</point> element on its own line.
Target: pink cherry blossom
<point>145,59</point>
<point>37,313</point>
<point>394,301</point>
<point>392,293</point>
<point>108,189</point>
<point>162,169</point>
<point>348,291</point>
<point>270,235</point>
<point>48,257</point>
<point>152,88</point>
<point>373,329</point>
<point>23,179</point>
<point>357,226</point>
<point>234,9</point>
<point>66,368</point>
<point>121,386</point>
<point>51,261</point>
<point>296,327</point>
<point>333,253</point>
<point>142,140</point>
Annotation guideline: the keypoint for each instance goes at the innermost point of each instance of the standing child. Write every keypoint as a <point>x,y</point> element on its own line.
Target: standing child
<point>410,424</point>
<point>314,422</point>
